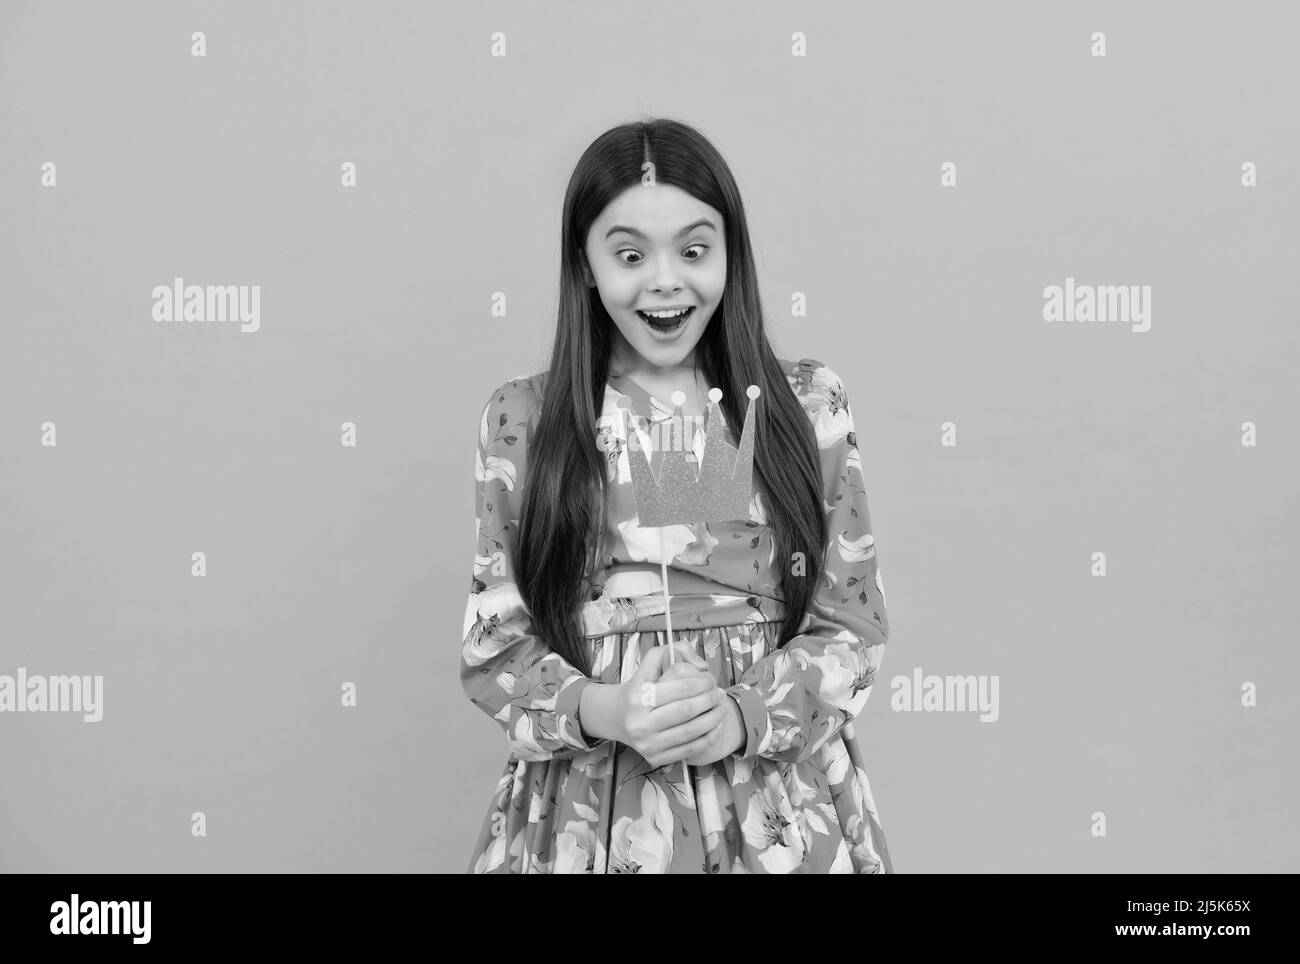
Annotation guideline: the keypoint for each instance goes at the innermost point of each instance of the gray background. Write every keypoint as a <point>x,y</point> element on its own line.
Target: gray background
<point>328,564</point>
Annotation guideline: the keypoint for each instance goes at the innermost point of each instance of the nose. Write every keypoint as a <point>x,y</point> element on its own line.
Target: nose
<point>666,275</point>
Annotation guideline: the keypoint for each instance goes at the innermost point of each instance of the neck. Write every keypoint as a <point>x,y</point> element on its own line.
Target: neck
<point>624,358</point>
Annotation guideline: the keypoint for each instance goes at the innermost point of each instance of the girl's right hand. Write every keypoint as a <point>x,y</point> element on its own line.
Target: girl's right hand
<point>667,718</point>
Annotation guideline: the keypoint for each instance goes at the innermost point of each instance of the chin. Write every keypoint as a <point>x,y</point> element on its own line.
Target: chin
<point>670,354</point>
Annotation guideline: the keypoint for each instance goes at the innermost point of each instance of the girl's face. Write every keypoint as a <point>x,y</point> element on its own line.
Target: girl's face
<point>656,248</point>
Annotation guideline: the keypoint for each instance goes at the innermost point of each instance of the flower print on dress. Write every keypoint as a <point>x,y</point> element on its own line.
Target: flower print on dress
<point>613,447</point>
<point>644,843</point>
<point>773,830</point>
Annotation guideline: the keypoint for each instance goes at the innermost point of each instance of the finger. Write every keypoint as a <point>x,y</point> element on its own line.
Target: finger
<point>652,664</point>
<point>677,654</point>
<point>673,684</point>
<point>651,694</point>
<point>705,747</point>
<point>700,746</point>
<point>677,671</point>
<point>663,658</point>
<point>670,714</point>
<point>675,690</point>
<point>685,652</point>
<point>683,671</point>
<point>691,729</point>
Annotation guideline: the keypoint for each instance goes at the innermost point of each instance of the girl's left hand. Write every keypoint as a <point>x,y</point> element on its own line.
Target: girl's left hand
<point>727,737</point>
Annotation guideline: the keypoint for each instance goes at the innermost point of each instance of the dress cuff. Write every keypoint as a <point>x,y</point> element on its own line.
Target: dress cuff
<point>753,710</point>
<point>568,702</point>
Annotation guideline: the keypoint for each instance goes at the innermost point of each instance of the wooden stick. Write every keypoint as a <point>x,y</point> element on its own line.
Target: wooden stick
<point>668,636</point>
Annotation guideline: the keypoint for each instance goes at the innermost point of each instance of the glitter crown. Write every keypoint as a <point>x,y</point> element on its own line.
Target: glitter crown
<point>719,490</point>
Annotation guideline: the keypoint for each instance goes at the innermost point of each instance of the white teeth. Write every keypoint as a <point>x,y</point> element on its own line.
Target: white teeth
<point>666,314</point>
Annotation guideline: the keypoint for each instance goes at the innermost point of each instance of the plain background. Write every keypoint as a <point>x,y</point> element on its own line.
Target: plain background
<point>328,564</point>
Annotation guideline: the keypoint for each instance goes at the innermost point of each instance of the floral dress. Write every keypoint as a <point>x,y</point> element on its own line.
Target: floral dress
<point>795,798</point>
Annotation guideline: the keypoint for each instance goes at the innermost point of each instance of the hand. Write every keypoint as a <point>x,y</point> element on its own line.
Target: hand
<point>667,717</point>
<point>727,738</point>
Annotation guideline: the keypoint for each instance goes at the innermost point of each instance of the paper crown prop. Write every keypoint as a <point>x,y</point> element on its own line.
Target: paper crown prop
<point>718,491</point>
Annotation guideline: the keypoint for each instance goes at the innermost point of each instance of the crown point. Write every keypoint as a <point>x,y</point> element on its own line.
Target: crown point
<point>715,394</point>
<point>753,391</point>
<point>679,398</point>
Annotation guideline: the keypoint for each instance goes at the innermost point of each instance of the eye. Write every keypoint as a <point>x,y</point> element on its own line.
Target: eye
<point>704,248</point>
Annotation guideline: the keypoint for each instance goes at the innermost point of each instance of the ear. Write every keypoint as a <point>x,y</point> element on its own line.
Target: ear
<point>587,276</point>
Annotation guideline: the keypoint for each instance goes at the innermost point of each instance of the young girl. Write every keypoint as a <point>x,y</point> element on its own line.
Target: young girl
<point>739,755</point>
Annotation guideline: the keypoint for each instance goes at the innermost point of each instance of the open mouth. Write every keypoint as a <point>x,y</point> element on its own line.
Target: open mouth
<point>667,323</point>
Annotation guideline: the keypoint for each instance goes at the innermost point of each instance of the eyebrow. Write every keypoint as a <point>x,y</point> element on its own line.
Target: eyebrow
<point>702,222</point>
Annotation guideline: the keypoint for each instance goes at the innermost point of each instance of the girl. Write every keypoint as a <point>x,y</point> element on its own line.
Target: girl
<point>740,756</point>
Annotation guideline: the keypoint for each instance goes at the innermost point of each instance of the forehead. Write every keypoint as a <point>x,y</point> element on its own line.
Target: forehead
<point>658,211</point>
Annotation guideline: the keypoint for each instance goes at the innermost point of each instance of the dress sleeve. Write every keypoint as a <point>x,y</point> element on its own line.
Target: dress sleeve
<point>506,670</point>
<point>796,698</point>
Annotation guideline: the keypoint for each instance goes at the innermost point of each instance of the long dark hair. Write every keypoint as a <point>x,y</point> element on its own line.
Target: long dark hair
<point>560,517</point>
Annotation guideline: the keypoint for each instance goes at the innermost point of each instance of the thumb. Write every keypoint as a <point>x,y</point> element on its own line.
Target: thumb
<point>652,664</point>
<point>683,650</point>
